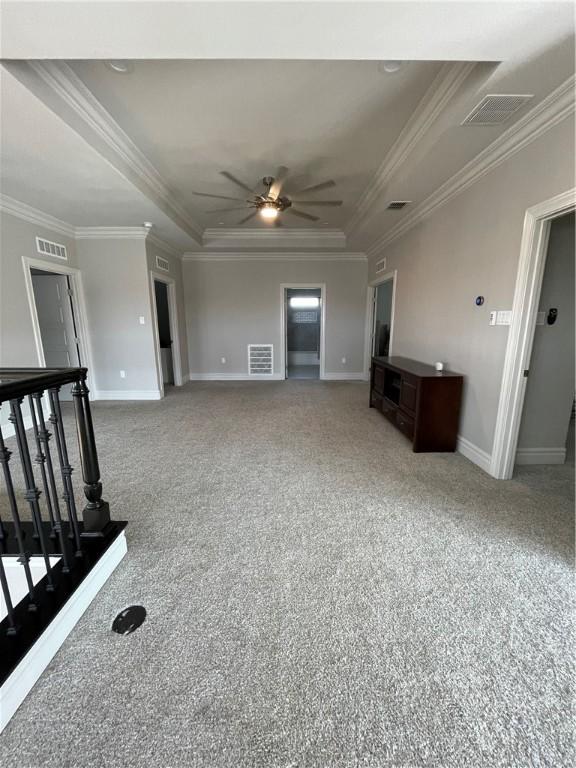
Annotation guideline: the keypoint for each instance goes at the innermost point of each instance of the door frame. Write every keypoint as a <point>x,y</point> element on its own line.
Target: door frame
<point>371,317</point>
<point>79,306</point>
<point>533,252</point>
<point>174,331</point>
<point>284,324</point>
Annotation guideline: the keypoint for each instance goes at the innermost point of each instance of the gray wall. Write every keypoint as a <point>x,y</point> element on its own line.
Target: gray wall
<point>550,387</point>
<point>117,292</point>
<point>230,304</point>
<point>470,246</point>
<point>176,274</point>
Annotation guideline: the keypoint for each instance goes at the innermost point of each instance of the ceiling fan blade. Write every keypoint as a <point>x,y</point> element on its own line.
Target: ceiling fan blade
<point>251,216</point>
<point>302,215</point>
<point>333,203</point>
<point>317,187</point>
<point>220,197</point>
<point>224,210</point>
<point>279,179</point>
<point>236,181</point>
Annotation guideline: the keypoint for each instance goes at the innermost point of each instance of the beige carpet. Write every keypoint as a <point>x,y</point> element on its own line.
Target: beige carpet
<point>318,596</point>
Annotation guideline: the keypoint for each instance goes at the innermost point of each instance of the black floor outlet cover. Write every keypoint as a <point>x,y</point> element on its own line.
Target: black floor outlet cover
<point>129,619</point>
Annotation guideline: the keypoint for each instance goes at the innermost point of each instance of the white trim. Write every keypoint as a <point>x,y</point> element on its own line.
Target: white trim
<point>344,376</point>
<point>67,93</point>
<point>549,112</point>
<point>23,678</point>
<point>233,377</point>
<point>34,216</point>
<point>444,87</point>
<point>174,329</point>
<point>164,245</point>
<point>185,377</point>
<point>111,233</point>
<point>272,256</point>
<point>531,264</point>
<point>127,394</point>
<point>541,455</point>
<point>473,453</point>
<point>283,325</point>
<point>217,237</point>
<point>79,303</point>
<point>371,317</point>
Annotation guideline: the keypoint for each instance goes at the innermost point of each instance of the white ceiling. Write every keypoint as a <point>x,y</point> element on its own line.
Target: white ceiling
<point>322,118</point>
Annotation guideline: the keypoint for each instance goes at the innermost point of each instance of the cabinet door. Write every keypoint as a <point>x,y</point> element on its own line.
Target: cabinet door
<point>408,393</point>
<point>378,378</point>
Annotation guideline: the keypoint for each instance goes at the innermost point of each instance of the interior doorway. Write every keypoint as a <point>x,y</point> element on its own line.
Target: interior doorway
<point>382,330</point>
<point>547,425</point>
<point>164,332</point>
<point>303,332</point>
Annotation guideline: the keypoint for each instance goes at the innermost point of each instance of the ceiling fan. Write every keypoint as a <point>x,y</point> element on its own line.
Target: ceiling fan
<point>270,202</point>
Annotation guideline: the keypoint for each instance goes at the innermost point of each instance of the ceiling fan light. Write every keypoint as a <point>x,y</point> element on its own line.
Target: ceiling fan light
<point>269,212</point>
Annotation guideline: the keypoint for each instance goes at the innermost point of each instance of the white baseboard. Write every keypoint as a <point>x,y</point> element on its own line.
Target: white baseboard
<point>344,376</point>
<point>127,394</point>
<point>474,454</point>
<point>20,682</point>
<point>9,431</point>
<point>233,377</point>
<point>541,455</point>
<point>185,378</point>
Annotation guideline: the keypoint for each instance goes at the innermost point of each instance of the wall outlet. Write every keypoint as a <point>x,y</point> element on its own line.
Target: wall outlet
<point>343,361</point>
<point>142,320</point>
<point>223,360</point>
<point>122,374</point>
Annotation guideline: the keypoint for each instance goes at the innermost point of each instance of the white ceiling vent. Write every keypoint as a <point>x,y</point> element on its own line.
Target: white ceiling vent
<point>260,359</point>
<point>397,205</point>
<point>162,264</point>
<point>47,248</point>
<point>496,108</point>
<point>380,266</point>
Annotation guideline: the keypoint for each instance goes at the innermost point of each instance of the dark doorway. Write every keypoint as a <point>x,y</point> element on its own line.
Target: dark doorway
<point>164,334</point>
<point>303,332</point>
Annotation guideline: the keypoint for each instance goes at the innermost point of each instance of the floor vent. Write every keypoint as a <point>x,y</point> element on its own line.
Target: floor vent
<point>260,359</point>
<point>162,264</point>
<point>380,266</point>
<point>397,205</point>
<point>47,248</point>
<point>496,108</point>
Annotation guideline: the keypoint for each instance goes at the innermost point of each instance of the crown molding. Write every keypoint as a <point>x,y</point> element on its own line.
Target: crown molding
<point>34,216</point>
<point>274,256</point>
<point>111,233</point>
<point>215,237</point>
<point>444,87</point>
<point>84,113</point>
<point>557,106</point>
<point>163,245</point>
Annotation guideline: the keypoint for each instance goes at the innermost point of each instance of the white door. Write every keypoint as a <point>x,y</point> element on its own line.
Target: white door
<point>56,320</point>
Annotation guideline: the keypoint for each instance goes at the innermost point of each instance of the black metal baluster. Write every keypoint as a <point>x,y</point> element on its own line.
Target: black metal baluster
<point>7,599</point>
<point>96,513</point>
<point>4,460</point>
<point>50,491</point>
<point>65,468</point>
<point>40,459</point>
<point>32,493</point>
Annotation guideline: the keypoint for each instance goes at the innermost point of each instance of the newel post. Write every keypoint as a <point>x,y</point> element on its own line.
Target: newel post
<point>96,513</point>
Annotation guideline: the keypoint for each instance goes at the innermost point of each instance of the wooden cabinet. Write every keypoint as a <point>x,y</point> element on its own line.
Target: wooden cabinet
<point>423,403</point>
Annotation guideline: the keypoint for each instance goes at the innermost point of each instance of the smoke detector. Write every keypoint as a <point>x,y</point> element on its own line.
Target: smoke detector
<point>495,109</point>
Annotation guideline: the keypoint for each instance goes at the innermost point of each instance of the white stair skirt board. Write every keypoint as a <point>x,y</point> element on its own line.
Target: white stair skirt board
<point>16,578</point>
<point>20,682</point>
<point>541,456</point>
<point>474,454</point>
<point>127,394</point>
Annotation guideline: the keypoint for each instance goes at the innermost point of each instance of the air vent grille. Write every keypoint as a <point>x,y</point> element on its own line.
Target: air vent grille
<point>380,266</point>
<point>495,109</point>
<point>397,205</point>
<point>260,359</point>
<point>48,248</point>
<point>162,264</point>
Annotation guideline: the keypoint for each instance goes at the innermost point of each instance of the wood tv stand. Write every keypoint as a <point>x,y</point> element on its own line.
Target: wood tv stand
<point>420,401</point>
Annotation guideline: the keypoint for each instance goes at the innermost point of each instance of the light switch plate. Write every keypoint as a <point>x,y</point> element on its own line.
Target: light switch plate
<point>141,320</point>
<point>493,317</point>
<point>504,317</point>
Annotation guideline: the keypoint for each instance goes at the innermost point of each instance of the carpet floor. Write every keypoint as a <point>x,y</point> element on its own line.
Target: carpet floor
<point>318,596</point>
